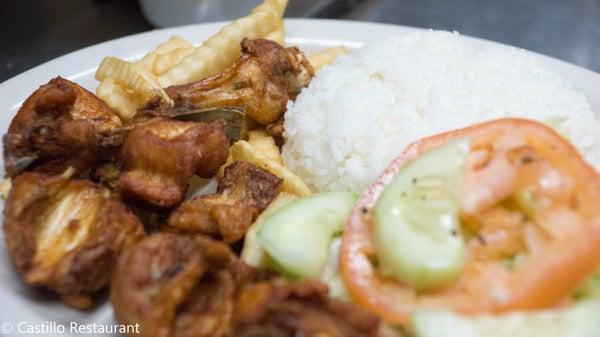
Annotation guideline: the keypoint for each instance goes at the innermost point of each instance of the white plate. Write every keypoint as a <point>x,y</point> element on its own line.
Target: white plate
<point>23,304</point>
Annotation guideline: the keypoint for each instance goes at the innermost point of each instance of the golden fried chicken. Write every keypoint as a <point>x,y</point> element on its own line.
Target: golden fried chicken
<point>249,184</point>
<point>278,308</point>
<point>106,174</point>
<point>60,125</point>
<point>244,191</point>
<point>178,285</point>
<point>160,156</point>
<point>261,82</point>
<point>65,234</point>
<point>276,128</point>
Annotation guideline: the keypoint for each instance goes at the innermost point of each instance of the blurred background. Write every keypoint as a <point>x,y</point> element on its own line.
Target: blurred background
<point>32,32</point>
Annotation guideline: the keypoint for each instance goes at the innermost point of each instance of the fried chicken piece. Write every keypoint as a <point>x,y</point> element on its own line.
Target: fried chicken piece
<point>262,81</point>
<point>106,174</point>
<point>177,285</point>
<point>244,192</point>
<point>249,184</point>
<point>213,215</point>
<point>60,125</point>
<point>278,308</point>
<point>65,234</point>
<point>276,128</point>
<point>208,311</point>
<point>160,156</point>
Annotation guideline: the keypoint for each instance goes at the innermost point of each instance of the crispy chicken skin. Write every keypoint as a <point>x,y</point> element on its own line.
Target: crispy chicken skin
<point>244,191</point>
<point>160,156</point>
<point>65,235</point>
<point>276,128</point>
<point>262,81</point>
<point>277,308</point>
<point>249,184</point>
<point>60,125</point>
<point>178,285</point>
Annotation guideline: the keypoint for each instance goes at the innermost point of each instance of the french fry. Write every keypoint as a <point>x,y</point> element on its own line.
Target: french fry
<point>164,62</point>
<point>243,151</point>
<point>117,98</point>
<point>220,50</point>
<point>5,187</point>
<point>174,43</point>
<point>132,76</point>
<point>326,57</point>
<point>275,6</point>
<point>261,140</point>
<point>126,86</point>
<point>228,162</point>
<point>277,35</point>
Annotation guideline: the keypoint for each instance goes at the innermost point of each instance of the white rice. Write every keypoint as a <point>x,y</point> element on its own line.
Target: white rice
<point>360,113</point>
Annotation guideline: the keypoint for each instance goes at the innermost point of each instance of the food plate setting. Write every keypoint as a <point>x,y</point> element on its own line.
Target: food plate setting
<point>264,177</point>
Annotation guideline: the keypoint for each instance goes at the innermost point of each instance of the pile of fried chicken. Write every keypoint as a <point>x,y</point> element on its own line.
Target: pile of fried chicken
<point>98,202</point>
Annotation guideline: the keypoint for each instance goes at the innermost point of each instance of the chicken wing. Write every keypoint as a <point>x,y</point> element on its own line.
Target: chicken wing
<point>261,82</point>
<point>176,285</point>
<point>160,156</point>
<point>60,125</point>
<point>64,234</point>
<point>244,191</point>
<point>278,308</point>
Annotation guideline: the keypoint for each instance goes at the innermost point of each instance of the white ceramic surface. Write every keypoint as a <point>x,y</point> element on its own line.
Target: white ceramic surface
<point>19,303</point>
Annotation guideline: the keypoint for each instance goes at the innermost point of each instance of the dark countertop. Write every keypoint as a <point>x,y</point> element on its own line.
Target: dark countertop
<point>32,32</point>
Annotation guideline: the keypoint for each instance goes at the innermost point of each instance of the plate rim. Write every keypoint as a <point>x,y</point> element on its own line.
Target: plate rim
<point>288,21</point>
<point>18,87</point>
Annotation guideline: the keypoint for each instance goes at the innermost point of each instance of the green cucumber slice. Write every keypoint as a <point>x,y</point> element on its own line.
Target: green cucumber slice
<point>416,225</point>
<point>297,236</point>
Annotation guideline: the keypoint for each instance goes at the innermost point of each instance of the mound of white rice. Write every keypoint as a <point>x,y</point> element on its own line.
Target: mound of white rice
<point>360,113</point>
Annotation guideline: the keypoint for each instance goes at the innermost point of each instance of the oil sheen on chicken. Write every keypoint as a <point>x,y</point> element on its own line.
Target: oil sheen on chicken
<point>261,82</point>
<point>244,191</point>
<point>60,125</point>
<point>160,156</point>
<point>64,234</point>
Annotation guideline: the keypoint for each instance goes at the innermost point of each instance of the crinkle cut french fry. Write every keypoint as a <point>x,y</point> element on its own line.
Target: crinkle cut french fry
<point>164,62</point>
<point>277,35</point>
<point>261,140</point>
<point>220,50</point>
<point>174,43</point>
<point>275,6</point>
<point>326,57</point>
<point>117,98</point>
<point>132,76</point>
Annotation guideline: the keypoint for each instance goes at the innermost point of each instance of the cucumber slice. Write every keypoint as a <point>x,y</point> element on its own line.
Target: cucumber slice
<point>581,320</point>
<point>252,252</point>
<point>297,236</point>
<point>416,228</point>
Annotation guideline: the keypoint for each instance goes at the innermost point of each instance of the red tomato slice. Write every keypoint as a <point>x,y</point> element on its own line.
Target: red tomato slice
<point>556,236</point>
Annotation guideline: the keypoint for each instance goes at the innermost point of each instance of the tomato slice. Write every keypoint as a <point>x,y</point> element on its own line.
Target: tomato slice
<point>527,197</point>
